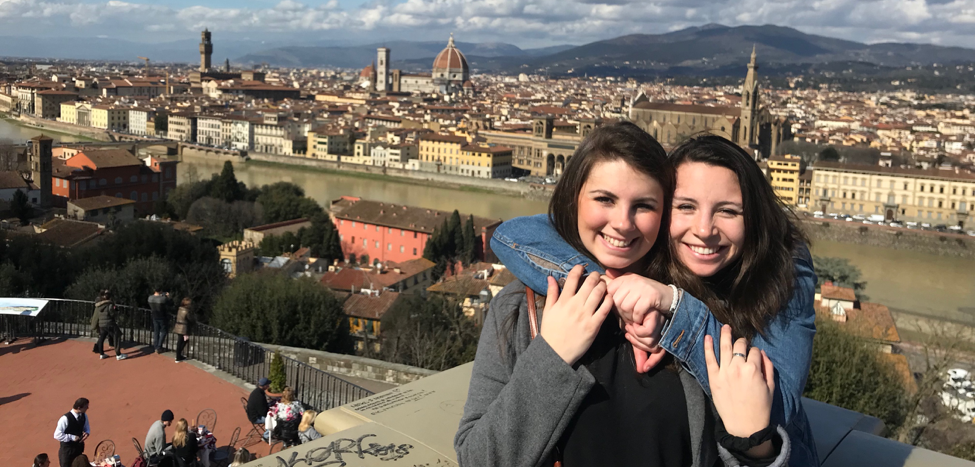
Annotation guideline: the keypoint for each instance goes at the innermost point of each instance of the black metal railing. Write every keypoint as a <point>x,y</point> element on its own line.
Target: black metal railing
<point>207,344</point>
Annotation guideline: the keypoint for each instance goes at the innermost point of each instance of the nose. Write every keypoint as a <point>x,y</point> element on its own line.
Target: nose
<point>623,221</point>
<point>703,224</point>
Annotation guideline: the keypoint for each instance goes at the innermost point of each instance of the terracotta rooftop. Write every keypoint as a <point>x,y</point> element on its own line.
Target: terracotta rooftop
<point>108,158</point>
<point>69,233</point>
<point>464,285</point>
<point>369,306</point>
<point>732,112</point>
<point>369,278</point>
<point>100,202</point>
<point>874,321</point>
<point>276,225</point>
<point>835,292</point>
<point>11,179</point>
<point>399,216</point>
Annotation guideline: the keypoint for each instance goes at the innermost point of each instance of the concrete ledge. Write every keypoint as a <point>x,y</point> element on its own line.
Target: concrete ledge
<point>351,365</point>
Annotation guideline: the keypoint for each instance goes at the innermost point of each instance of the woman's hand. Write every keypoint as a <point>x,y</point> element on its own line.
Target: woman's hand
<point>636,296</point>
<point>741,387</point>
<point>572,318</point>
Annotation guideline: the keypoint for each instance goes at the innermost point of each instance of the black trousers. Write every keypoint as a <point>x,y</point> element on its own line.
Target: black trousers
<point>68,451</point>
<point>105,332</point>
<point>180,345</point>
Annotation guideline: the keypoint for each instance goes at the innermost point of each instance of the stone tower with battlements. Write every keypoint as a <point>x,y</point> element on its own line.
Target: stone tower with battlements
<point>206,50</point>
<point>747,128</point>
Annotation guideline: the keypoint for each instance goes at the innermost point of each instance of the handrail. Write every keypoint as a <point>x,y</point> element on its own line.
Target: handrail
<point>233,354</point>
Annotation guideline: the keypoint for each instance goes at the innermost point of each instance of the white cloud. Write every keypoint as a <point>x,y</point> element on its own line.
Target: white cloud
<point>524,22</point>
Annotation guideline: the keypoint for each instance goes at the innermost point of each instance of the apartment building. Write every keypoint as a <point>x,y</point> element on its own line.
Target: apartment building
<point>110,118</point>
<point>930,196</point>
<point>181,127</point>
<point>441,153</point>
<point>209,130</point>
<point>783,174</point>
<point>485,161</point>
<point>328,144</point>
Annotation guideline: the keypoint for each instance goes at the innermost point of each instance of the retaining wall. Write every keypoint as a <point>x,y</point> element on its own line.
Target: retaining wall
<point>61,127</point>
<point>945,244</point>
<point>351,365</point>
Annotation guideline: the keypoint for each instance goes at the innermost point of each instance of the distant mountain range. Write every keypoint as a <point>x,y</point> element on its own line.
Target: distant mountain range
<point>707,50</point>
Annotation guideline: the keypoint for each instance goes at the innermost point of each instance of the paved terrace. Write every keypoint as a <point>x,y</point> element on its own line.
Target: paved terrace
<point>39,384</point>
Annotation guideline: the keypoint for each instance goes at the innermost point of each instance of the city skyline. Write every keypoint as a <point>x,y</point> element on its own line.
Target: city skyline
<point>537,23</point>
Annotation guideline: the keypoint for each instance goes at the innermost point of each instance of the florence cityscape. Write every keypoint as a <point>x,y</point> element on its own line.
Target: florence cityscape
<point>317,208</point>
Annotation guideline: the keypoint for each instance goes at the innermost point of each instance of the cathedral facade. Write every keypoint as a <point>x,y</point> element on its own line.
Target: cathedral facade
<point>752,126</point>
<point>450,74</point>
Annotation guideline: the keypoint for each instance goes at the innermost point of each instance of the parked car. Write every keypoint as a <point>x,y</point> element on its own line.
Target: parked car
<point>896,224</point>
<point>818,214</point>
<point>858,217</point>
<point>971,233</point>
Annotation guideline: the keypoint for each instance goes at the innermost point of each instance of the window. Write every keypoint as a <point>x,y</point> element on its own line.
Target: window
<point>389,247</point>
<point>102,182</point>
<point>134,196</point>
<point>134,179</point>
<point>931,189</point>
<point>353,223</point>
<point>145,178</point>
<point>941,189</point>
<point>863,182</point>
<point>878,183</point>
<point>145,197</point>
<point>377,228</point>
<point>846,180</point>
<point>377,244</point>
<point>414,252</point>
<point>57,182</point>
<point>402,232</point>
<point>364,243</point>
<point>414,234</point>
<point>155,178</point>
<point>402,248</point>
<point>940,204</point>
<point>921,187</point>
<point>389,230</point>
<point>118,180</point>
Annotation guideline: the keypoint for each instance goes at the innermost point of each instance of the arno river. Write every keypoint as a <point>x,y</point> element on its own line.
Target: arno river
<point>903,280</point>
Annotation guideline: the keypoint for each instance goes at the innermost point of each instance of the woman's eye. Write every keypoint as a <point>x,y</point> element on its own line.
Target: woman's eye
<point>604,199</point>
<point>684,207</point>
<point>646,207</point>
<point>729,212</point>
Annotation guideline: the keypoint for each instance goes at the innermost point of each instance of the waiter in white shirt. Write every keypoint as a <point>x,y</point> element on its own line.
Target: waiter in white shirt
<point>72,431</point>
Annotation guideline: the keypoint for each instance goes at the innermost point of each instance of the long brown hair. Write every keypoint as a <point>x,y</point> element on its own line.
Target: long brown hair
<point>749,292</point>
<point>179,437</point>
<point>287,395</point>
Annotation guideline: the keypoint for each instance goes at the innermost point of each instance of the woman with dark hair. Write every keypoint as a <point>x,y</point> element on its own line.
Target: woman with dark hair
<point>568,389</point>
<point>184,320</point>
<point>81,461</point>
<point>740,259</point>
<point>105,321</point>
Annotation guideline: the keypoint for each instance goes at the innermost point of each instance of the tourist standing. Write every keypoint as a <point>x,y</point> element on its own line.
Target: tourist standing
<point>156,438</point>
<point>159,304</point>
<point>106,316</point>
<point>184,318</point>
<point>72,431</point>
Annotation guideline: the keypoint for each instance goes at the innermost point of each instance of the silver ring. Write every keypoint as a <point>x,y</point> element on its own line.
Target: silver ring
<point>739,354</point>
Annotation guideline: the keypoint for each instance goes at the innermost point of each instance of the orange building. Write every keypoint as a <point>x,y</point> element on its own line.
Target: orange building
<point>113,172</point>
<point>394,232</point>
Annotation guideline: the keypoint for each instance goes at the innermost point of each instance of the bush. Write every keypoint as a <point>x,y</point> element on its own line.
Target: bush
<point>277,375</point>
<point>850,373</point>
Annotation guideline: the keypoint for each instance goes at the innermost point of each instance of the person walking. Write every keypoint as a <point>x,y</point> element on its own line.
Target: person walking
<point>72,431</point>
<point>184,320</point>
<point>159,303</point>
<point>106,316</point>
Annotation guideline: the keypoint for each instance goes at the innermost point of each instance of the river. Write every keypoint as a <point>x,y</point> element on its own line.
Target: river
<point>909,281</point>
<point>19,134</point>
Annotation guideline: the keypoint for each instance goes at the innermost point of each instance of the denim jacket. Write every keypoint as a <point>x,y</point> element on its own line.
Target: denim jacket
<point>532,250</point>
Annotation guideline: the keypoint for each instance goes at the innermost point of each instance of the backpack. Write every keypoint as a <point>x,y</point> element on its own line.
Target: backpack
<point>139,462</point>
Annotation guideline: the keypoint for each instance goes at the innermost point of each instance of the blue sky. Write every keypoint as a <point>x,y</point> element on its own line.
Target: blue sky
<point>526,23</point>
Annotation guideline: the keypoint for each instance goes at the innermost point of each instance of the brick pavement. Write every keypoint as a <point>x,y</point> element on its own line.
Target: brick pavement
<point>39,384</point>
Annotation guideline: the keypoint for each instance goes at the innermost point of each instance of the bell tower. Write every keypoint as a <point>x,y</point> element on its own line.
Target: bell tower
<point>747,134</point>
<point>40,167</point>
<point>206,50</point>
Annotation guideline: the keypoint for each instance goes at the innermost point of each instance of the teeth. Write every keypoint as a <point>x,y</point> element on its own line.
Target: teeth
<point>616,243</point>
<point>703,251</point>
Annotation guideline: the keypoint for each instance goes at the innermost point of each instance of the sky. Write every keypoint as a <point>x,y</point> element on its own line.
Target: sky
<point>525,23</point>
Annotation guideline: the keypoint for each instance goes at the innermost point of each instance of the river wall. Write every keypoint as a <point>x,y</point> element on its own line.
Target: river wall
<point>67,128</point>
<point>527,190</point>
<point>351,365</point>
<point>922,241</point>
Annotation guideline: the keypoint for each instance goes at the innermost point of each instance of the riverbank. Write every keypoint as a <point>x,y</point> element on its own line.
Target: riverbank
<point>485,185</point>
<point>922,241</point>
<point>51,128</point>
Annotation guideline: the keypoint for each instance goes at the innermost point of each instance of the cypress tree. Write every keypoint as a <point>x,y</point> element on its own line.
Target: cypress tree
<point>470,241</point>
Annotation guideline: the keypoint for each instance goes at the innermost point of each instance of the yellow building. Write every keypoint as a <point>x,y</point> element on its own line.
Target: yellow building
<point>69,113</point>
<point>237,257</point>
<point>329,144</point>
<point>109,118</point>
<point>926,196</point>
<point>485,161</point>
<point>783,174</point>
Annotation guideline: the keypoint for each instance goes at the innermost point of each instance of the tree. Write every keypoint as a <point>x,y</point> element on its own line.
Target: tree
<point>161,122</point>
<point>273,308</point>
<point>221,219</point>
<point>182,197</point>
<point>10,156</point>
<point>226,187</point>
<point>364,259</point>
<point>470,241</point>
<point>130,284</point>
<point>850,373</point>
<point>285,201</point>
<point>430,332</point>
<point>276,374</point>
<point>840,272</point>
<point>20,207</point>
<point>829,154</point>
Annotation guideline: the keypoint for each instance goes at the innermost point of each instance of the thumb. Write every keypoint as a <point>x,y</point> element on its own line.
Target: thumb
<point>641,359</point>
<point>654,358</point>
<point>552,295</point>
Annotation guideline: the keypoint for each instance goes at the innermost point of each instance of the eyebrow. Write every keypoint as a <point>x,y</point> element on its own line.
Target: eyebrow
<point>721,204</point>
<point>646,199</point>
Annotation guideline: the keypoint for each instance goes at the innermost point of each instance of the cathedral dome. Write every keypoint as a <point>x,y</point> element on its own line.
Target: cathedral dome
<point>368,71</point>
<point>450,60</point>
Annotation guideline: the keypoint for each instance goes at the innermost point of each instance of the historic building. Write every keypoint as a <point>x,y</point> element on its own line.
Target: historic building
<point>113,172</point>
<point>929,196</point>
<point>450,74</point>
<point>545,149</point>
<point>208,73</point>
<point>783,174</point>
<point>750,125</point>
